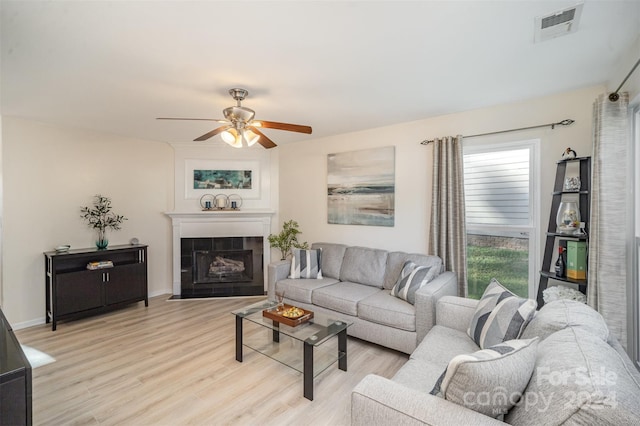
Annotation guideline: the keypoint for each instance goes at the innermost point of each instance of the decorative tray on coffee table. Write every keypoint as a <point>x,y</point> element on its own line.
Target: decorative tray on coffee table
<point>288,315</point>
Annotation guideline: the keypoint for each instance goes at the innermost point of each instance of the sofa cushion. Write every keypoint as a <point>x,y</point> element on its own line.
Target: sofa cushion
<point>579,380</point>
<point>364,265</point>
<point>332,255</point>
<point>412,278</point>
<point>306,264</point>
<point>382,308</point>
<point>418,374</point>
<point>301,290</point>
<point>500,316</point>
<point>441,344</point>
<point>397,259</point>
<point>342,297</point>
<point>560,314</point>
<point>489,381</point>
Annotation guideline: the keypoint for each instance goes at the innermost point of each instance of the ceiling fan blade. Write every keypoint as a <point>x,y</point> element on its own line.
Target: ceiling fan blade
<point>283,126</point>
<point>264,141</point>
<point>198,119</point>
<point>212,133</point>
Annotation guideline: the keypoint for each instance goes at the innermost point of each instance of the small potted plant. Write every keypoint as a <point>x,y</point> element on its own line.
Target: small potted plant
<point>100,217</point>
<point>287,239</point>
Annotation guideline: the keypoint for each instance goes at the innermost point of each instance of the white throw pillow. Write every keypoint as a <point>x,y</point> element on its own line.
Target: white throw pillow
<point>500,315</point>
<point>490,381</point>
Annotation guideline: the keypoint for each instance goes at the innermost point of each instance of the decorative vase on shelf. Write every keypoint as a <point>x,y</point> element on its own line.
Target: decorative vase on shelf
<point>102,242</point>
<point>568,218</point>
<point>100,217</point>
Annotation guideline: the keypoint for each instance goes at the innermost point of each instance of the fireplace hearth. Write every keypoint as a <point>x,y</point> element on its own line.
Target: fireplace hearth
<point>222,266</point>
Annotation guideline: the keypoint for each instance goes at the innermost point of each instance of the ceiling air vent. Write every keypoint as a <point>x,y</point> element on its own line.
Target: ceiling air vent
<point>557,24</point>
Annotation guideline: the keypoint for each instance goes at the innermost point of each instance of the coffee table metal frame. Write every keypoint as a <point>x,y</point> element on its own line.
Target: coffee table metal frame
<point>312,334</point>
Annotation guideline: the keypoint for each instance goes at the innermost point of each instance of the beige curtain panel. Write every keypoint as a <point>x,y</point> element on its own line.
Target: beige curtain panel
<point>607,289</point>
<point>448,233</point>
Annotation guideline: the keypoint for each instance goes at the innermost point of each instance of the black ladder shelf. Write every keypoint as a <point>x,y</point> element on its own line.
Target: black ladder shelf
<point>584,203</point>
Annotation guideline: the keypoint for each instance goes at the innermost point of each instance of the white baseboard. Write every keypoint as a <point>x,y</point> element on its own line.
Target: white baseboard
<point>27,324</point>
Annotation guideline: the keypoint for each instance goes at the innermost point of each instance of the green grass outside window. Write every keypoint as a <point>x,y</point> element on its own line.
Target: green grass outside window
<point>510,267</point>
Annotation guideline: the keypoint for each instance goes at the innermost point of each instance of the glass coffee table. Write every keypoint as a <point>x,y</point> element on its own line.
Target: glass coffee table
<point>299,347</point>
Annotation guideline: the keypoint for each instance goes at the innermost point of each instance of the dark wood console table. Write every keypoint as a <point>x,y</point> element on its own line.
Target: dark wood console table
<point>15,379</point>
<point>73,291</point>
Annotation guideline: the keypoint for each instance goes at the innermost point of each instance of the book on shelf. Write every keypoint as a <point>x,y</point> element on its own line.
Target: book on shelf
<point>102,264</point>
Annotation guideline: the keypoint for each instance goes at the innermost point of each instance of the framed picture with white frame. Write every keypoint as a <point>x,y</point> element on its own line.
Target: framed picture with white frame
<point>222,177</point>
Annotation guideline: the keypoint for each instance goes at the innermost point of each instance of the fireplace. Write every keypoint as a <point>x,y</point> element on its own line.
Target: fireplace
<point>221,266</point>
<point>220,253</point>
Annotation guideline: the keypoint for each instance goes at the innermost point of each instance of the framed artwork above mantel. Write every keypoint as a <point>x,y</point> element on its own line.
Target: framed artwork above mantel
<point>241,177</point>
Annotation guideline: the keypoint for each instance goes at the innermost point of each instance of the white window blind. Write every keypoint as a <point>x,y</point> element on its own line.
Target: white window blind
<point>496,186</point>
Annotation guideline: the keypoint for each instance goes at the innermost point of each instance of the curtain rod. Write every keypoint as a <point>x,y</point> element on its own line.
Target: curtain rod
<point>566,122</point>
<point>614,96</point>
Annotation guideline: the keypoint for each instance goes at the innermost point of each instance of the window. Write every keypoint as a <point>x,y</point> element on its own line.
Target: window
<point>500,194</point>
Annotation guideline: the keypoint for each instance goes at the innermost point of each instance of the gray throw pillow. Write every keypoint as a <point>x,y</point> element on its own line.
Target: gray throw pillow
<point>490,381</point>
<point>412,278</point>
<point>306,264</point>
<point>500,315</point>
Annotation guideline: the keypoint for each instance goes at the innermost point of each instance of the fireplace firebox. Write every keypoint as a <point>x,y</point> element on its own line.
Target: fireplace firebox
<point>222,266</point>
<point>226,266</point>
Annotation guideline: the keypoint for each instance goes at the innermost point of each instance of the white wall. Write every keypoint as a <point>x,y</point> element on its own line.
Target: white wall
<point>303,166</point>
<point>49,172</point>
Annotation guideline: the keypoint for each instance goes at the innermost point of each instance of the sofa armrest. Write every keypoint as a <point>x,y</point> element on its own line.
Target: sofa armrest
<point>379,401</point>
<point>455,312</point>
<point>426,298</point>
<point>276,271</point>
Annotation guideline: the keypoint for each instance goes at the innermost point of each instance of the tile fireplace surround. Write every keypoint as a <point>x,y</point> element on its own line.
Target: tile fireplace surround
<point>218,224</point>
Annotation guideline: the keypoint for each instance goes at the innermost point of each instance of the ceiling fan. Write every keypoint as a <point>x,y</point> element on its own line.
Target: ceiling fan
<point>240,129</point>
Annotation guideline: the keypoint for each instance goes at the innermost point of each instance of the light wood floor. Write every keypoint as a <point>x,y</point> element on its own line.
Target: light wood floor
<point>173,363</point>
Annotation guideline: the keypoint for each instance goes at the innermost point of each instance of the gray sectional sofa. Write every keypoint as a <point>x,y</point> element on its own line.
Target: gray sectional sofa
<point>356,287</point>
<point>580,375</point>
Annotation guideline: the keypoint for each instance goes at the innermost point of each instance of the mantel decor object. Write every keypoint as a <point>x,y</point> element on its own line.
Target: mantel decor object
<point>207,201</point>
<point>235,201</point>
<point>220,202</point>
<point>568,217</point>
<point>100,217</point>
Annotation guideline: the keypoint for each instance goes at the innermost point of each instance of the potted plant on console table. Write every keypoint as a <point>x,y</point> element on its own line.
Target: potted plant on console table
<point>100,217</point>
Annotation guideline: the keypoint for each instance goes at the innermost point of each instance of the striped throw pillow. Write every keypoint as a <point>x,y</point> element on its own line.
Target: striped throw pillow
<point>306,264</point>
<point>499,316</point>
<point>490,381</point>
<point>411,279</point>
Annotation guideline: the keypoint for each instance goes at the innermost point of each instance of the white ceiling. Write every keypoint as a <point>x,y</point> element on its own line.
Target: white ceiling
<point>337,66</point>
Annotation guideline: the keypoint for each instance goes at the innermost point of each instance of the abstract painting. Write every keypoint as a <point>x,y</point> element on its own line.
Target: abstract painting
<point>361,187</point>
<point>222,179</point>
<point>225,177</point>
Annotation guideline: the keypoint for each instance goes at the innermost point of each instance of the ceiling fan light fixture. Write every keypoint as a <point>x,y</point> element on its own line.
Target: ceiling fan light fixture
<point>239,128</point>
<point>230,136</point>
<point>237,143</point>
<point>249,137</point>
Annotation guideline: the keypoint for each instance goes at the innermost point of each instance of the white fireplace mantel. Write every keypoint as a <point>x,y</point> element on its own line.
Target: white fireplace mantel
<point>219,223</point>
